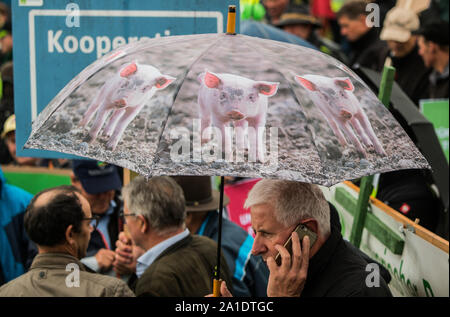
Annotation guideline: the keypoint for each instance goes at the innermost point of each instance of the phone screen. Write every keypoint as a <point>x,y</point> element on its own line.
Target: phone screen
<point>302,231</point>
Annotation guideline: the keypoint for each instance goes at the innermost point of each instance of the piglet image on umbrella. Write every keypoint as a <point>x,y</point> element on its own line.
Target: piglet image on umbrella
<point>340,107</point>
<point>227,98</point>
<point>123,95</point>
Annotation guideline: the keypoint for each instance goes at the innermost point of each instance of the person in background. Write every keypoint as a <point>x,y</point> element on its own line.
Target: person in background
<point>6,41</point>
<point>366,48</point>
<point>6,106</point>
<point>100,184</point>
<point>299,22</point>
<point>174,263</point>
<point>434,50</point>
<point>250,275</point>
<point>274,9</point>
<point>9,136</point>
<point>410,71</point>
<point>14,242</point>
<point>59,220</point>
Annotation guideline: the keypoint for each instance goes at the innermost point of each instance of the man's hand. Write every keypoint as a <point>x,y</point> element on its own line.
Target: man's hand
<point>126,255</point>
<point>105,259</point>
<point>288,279</point>
<point>224,292</point>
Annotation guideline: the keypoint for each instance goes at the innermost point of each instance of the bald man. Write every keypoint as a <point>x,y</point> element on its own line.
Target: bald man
<point>59,220</point>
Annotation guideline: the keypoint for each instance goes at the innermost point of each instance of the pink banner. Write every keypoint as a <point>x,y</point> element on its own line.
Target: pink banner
<point>237,193</point>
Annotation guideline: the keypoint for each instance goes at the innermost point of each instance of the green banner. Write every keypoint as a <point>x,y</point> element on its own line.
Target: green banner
<point>437,112</point>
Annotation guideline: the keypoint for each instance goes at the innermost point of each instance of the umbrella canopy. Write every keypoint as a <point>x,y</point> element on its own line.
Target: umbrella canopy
<point>293,112</point>
<point>269,32</point>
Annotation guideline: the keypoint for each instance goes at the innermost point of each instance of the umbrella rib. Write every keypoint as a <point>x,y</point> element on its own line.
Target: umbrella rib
<point>176,94</point>
<point>278,68</point>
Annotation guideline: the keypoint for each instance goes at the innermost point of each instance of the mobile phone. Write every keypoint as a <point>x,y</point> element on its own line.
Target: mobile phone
<point>302,231</point>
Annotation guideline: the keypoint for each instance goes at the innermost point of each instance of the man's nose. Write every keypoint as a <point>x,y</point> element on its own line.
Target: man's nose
<point>258,247</point>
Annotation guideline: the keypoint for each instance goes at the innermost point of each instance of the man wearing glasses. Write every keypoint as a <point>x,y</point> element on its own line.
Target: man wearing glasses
<point>175,263</point>
<point>100,184</point>
<point>59,220</point>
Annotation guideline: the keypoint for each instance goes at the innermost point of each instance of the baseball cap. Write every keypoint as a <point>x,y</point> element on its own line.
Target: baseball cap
<point>9,125</point>
<point>436,32</point>
<point>96,177</point>
<point>399,24</point>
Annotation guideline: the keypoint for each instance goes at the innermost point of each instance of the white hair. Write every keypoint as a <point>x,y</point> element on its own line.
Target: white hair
<point>292,202</point>
<point>160,200</point>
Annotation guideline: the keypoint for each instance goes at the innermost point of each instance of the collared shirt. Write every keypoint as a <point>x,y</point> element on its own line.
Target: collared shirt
<point>435,76</point>
<point>104,222</point>
<point>145,260</point>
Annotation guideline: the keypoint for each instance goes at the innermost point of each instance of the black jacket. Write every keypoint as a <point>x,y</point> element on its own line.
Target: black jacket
<point>368,51</point>
<point>412,75</point>
<point>185,269</point>
<point>114,227</point>
<point>339,269</point>
<point>439,85</point>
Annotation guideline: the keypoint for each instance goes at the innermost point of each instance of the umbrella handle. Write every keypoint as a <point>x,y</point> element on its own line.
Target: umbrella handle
<point>216,287</point>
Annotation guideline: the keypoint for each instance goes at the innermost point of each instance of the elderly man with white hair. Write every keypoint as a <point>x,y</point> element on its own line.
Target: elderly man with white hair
<point>329,267</point>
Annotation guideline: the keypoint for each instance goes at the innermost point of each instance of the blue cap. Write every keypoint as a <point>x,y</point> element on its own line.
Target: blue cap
<point>96,177</point>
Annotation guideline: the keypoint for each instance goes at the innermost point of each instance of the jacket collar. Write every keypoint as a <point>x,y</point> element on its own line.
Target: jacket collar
<point>176,246</point>
<point>321,259</point>
<point>366,40</point>
<point>55,261</point>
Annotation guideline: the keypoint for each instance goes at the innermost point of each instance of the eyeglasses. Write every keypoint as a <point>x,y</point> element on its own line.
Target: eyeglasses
<point>123,215</point>
<point>94,221</point>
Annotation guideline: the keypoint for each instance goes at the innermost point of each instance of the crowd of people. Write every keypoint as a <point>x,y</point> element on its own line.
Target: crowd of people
<point>158,237</point>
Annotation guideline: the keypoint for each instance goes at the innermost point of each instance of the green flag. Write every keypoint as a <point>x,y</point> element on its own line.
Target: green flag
<point>436,110</point>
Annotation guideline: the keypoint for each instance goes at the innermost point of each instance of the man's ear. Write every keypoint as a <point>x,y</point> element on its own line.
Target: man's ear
<point>434,48</point>
<point>144,223</point>
<point>362,18</point>
<point>70,234</point>
<point>311,224</point>
<point>73,178</point>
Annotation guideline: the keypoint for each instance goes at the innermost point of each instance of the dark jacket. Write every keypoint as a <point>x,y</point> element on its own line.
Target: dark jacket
<point>49,274</point>
<point>412,75</point>
<point>409,192</point>
<point>339,270</point>
<point>250,274</point>
<point>14,242</point>
<point>367,51</point>
<point>439,84</point>
<point>185,269</point>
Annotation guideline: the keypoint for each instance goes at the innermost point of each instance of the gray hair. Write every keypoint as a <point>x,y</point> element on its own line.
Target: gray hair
<point>292,201</point>
<point>160,200</point>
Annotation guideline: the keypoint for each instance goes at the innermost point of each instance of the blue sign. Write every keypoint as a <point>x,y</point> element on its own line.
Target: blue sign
<point>54,40</point>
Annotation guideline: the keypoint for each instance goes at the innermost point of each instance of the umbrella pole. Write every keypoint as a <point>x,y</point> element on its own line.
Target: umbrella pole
<point>217,281</point>
<point>231,30</point>
<point>366,186</point>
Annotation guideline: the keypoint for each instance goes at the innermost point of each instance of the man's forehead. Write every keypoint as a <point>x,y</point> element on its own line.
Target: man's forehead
<point>262,215</point>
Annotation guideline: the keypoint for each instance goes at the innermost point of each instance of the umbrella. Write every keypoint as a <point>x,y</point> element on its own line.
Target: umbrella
<point>267,31</point>
<point>225,104</point>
